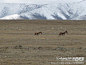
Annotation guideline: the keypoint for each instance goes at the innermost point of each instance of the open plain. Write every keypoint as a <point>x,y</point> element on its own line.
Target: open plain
<point>19,45</point>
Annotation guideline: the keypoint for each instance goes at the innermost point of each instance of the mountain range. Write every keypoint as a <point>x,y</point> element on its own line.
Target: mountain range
<point>57,11</point>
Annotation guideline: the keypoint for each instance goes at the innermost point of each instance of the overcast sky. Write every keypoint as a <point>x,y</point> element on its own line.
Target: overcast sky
<point>38,1</point>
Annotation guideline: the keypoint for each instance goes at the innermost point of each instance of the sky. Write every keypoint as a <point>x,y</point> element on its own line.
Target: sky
<point>38,1</point>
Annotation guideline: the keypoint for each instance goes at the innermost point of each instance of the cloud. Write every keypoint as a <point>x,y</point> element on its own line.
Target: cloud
<point>38,1</point>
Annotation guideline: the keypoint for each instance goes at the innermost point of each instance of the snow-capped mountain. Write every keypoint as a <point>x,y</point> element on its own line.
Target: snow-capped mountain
<point>59,11</point>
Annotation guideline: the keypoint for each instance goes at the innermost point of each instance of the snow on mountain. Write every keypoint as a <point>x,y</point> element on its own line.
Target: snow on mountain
<point>15,8</point>
<point>14,16</point>
<point>61,11</point>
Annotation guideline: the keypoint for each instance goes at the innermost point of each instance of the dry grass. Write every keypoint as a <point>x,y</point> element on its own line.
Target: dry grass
<point>19,45</point>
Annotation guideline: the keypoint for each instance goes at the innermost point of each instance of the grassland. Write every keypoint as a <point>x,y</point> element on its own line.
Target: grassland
<point>19,45</point>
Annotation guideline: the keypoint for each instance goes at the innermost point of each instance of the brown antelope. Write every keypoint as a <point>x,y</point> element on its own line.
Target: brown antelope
<point>37,33</point>
<point>63,33</point>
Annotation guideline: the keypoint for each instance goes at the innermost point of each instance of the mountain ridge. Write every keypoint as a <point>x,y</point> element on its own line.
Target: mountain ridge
<point>61,11</point>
